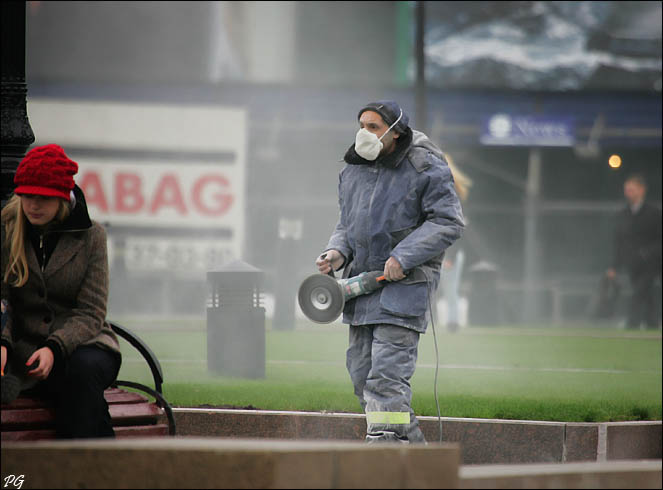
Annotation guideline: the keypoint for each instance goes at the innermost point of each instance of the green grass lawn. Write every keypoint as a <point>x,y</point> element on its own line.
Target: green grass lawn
<point>581,374</point>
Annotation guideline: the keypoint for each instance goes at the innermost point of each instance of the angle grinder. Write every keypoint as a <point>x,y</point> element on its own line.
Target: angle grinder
<point>322,297</point>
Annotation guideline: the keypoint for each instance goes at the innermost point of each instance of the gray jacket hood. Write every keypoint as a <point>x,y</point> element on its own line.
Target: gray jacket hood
<point>419,139</point>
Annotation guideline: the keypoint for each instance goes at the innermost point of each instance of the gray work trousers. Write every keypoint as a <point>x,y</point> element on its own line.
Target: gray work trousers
<point>381,360</point>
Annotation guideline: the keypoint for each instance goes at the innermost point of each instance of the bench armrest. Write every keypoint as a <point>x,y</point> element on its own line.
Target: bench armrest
<point>145,351</point>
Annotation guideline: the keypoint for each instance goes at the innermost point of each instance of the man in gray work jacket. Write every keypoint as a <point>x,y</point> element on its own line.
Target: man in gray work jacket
<point>399,212</point>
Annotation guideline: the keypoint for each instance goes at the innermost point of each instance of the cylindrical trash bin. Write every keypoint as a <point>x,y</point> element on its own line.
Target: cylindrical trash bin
<point>236,321</point>
<point>484,307</point>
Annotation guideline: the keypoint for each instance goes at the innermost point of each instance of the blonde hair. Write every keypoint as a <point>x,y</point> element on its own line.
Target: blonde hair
<point>14,222</point>
<point>462,181</point>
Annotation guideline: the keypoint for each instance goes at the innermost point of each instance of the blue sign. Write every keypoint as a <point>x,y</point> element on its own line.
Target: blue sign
<point>514,130</point>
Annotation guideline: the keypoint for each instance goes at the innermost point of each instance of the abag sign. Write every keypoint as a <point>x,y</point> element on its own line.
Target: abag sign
<point>167,179</point>
<point>517,130</point>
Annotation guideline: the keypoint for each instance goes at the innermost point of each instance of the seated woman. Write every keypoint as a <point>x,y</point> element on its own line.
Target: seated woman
<point>55,338</point>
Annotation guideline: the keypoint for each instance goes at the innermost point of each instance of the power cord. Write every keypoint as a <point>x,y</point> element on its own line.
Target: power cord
<point>437,355</point>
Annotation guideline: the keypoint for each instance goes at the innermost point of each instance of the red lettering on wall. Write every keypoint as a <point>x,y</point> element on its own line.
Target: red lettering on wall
<point>218,194</point>
<point>168,193</point>
<point>94,191</point>
<point>210,195</point>
<point>128,194</point>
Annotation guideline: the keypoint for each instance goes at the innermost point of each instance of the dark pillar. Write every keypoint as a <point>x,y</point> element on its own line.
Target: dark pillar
<point>285,290</point>
<point>17,134</point>
<point>532,252</point>
<point>286,280</point>
<point>484,298</point>
<point>419,56</point>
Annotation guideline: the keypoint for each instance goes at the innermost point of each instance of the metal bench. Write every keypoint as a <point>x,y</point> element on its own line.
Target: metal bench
<point>132,414</point>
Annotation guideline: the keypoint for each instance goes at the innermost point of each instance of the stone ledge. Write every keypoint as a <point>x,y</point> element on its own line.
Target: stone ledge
<point>483,441</point>
<point>632,440</point>
<point>182,462</point>
<point>618,474</point>
<point>187,462</point>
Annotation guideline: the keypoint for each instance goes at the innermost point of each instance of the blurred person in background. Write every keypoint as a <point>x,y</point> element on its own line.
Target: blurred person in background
<point>399,212</point>
<point>637,250</point>
<point>454,258</point>
<point>55,339</point>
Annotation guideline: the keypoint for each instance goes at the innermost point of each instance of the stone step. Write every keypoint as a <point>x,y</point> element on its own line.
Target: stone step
<point>617,474</point>
<point>483,441</point>
<point>182,462</point>
<point>189,462</point>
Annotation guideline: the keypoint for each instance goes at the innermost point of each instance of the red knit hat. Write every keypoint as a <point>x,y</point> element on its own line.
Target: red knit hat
<point>46,171</point>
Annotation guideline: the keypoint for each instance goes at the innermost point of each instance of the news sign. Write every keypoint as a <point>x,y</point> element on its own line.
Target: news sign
<point>518,130</point>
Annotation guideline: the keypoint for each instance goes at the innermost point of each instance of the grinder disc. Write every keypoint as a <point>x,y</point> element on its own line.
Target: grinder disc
<point>321,298</point>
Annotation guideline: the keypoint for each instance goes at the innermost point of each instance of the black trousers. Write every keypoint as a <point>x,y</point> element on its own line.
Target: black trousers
<point>642,308</point>
<point>77,389</point>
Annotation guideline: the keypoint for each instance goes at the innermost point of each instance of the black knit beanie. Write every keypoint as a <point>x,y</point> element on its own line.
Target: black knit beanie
<point>389,110</point>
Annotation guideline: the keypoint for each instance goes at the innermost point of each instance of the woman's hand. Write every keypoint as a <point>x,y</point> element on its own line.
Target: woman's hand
<point>45,358</point>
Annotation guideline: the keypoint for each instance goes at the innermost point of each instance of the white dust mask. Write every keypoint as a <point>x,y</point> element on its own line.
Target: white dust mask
<point>368,145</point>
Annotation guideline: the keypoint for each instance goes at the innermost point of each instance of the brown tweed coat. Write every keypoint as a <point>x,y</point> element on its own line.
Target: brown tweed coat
<point>63,306</point>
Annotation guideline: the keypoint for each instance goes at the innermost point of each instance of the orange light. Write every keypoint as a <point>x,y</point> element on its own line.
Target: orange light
<point>615,161</point>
